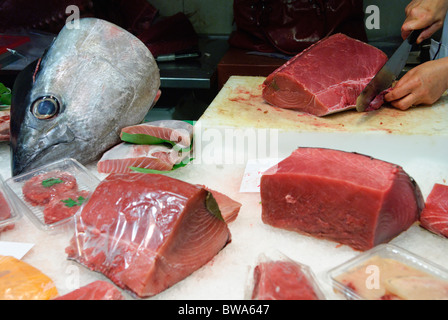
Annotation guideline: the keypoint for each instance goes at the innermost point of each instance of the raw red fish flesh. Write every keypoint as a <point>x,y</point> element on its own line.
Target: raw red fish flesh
<point>282,280</point>
<point>435,214</point>
<point>4,125</point>
<point>5,213</point>
<point>340,196</point>
<point>97,290</point>
<point>325,78</point>
<point>229,208</point>
<point>124,156</point>
<point>176,131</point>
<point>64,205</point>
<point>147,232</point>
<point>40,189</point>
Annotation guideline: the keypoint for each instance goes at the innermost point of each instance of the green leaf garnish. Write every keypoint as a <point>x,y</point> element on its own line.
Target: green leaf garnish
<point>212,206</point>
<point>143,139</point>
<point>51,182</point>
<point>5,96</point>
<point>71,203</point>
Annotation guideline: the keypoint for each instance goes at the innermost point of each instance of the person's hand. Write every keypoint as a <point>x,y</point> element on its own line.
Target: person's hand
<point>423,84</point>
<point>424,14</point>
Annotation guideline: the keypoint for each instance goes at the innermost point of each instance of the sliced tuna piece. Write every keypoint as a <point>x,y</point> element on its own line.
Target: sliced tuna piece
<point>325,78</point>
<point>341,196</point>
<point>40,189</point>
<point>175,131</point>
<point>5,119</point>
<point>435,214</point>
<point>282,280</point>
<point>97,290</point>
<point>124,156</point>
<point>64,205</point>
<point>147,232</point>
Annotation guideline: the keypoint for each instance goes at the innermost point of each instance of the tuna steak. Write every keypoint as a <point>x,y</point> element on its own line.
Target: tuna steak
<point>435,214</point>
<point>325,78</point>
<point>341,196</point>
<point>92,82</point>
<point>147,232</point>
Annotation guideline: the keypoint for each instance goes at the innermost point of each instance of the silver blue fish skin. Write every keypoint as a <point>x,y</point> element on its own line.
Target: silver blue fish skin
<point>99,77</point>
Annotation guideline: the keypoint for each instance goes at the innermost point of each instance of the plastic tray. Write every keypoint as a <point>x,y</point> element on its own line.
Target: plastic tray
<point>278,257</point>
<point>386,251</point>
<point>15,215</point>
<point>85,181</point>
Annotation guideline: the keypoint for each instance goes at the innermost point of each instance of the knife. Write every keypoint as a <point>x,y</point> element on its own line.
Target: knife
<point>388,73</point>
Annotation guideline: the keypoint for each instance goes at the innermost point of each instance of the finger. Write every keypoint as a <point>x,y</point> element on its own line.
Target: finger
<point>398,92</point>
<point>405,103</point>
<point>428,32</point>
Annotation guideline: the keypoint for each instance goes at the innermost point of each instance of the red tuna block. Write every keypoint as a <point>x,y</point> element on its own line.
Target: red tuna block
<point>147,232</point>
<point>325,78</point>
<point>434,216</point>
<point>97,290</point>
<point>341,196</point>
<point>282,280</point>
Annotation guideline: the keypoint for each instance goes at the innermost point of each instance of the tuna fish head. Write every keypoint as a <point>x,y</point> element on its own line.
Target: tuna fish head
<point>92,81</point>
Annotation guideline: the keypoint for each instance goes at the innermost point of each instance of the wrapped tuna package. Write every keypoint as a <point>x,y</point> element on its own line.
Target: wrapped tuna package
<point>146,232</point>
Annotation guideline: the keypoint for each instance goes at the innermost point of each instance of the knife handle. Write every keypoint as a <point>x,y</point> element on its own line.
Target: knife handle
<point>412,38</point>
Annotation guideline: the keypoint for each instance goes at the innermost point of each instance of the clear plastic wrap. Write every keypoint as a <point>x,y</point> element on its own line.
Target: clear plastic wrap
<point>277,277</point>
<point>51,195</point>
<point>147,232</point>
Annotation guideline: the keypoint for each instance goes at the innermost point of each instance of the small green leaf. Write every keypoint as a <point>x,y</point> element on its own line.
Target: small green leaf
<point>143,139</point>
<point>51,182</point>
<point>212,206</point>
<point>71,203</point>
<point>176,166</point>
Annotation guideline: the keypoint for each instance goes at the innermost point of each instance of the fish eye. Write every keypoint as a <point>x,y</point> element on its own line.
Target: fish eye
<point>45,107</point>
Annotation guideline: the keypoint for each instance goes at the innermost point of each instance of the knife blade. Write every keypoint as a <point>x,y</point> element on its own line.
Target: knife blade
<point>388,73</point>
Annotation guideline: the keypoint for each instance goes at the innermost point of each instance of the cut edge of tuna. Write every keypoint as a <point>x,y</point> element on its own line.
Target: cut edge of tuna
<point>340,196</point>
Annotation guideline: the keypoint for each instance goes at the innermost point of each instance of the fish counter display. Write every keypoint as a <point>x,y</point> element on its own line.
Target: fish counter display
<point>252,201</point>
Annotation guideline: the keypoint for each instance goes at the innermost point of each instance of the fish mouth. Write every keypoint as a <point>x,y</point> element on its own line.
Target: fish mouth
<point>34,154</point>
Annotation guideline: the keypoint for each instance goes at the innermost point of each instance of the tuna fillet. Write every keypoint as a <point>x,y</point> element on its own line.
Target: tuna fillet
<point>175,131</point>
<point>325,78</point>
<point>282,280</point>
<point>147,232</point>
<point>345,197</point>
<point>124,156</point>
<point>435,214</point>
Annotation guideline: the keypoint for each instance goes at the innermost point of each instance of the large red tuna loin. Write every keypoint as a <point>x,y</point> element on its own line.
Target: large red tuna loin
<point>124,156</point>
<point>325,78</point>
<point>346,197</point>
<point>434,216</point>
<point>147,232</point>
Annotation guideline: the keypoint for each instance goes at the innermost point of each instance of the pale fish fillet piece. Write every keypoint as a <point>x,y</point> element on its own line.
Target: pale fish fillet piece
<point>122,157</point>
<point>177,131</point>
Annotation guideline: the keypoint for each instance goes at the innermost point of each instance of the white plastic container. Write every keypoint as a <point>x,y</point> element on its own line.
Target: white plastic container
<point>388,272</point>
<point>36,212</point>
